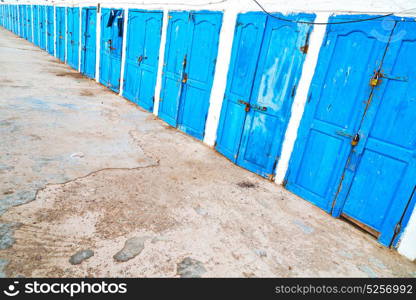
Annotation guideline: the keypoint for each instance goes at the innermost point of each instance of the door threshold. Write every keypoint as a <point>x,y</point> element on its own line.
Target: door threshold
<point>361,226</point>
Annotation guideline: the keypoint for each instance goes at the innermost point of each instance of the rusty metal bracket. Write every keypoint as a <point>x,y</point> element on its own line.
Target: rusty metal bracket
<point>247,105</point>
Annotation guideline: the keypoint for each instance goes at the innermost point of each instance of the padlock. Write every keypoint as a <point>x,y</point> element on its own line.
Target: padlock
<point>355,140</point>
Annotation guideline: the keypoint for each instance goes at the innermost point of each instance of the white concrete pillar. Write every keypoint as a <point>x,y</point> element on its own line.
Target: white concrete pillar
<point>54,31</point>
<point>98,44</point>
<point>221,72</point>
<point>123,51</point>
<point>162,47</point>
<point>407,245</point>
<point>80,38</point>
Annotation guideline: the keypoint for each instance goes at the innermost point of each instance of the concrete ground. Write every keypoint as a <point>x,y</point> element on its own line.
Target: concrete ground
<point>82,168</point>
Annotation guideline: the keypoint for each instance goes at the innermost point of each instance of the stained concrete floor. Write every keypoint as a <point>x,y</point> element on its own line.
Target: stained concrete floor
<point>82,168</point>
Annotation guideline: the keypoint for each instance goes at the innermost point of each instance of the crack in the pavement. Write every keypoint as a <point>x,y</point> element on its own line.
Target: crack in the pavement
<point>87,175</point>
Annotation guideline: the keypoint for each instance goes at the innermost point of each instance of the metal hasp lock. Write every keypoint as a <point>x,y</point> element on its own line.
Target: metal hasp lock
<point>247,108</point>
<point>110,42</point>
<point>141,58</point>
<point>376,79</point>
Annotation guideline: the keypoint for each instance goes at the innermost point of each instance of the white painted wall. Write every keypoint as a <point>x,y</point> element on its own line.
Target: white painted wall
<point>322,8</point>
<point>407,245</point>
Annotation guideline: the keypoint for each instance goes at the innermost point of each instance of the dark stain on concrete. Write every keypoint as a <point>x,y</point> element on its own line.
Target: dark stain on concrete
<point>69,74</point>
<point>246,184</point>
<point>86,93</point>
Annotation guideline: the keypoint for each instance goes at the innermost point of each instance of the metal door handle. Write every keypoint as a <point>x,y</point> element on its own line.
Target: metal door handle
<point>141,58</point>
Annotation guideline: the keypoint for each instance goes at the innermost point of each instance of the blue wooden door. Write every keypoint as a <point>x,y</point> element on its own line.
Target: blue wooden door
<point>36,25</point>
<point>42,27</point>
<point>355,154</point>
<point>88,41</point>
<point>255,114</point>
<point>69,32</point>
<point>380,176</point>
<point>142,56</point>
<point>111,47</point>
<point>51,30</point>
<point>29,35</point>
<point>73,37</point>
<point>248,37</point>
<point>60,33</point>
<point>199,72</point>
<point>192,45</point>
<point>16,19</point>
<point>337,100</point>
<point>175,55</point>
<point>22,21</point>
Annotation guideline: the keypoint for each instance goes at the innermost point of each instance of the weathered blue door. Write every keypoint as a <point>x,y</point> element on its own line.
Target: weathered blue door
<point>265,69</point>
<point>337,100</point>
<point>22,21</point>
<point>29,35</point>
<point>60,33</point>
<point>355,152</point>
<point>73,37</point>
<point>111,47</point>
<point>191,52</point>
<point>380,176</point>
<point>88,41</point>
<point>16,19</point>
<point>42,27</point>
<point>50,30</point>
<point>36,25</point>
<point>142,56</point>
<point>175,55</point>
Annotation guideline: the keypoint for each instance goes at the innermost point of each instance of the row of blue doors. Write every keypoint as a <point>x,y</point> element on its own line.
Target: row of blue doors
<point>355,155</point>
<point>41,21</point>
<point>9,18</point>
<point>265,68</point>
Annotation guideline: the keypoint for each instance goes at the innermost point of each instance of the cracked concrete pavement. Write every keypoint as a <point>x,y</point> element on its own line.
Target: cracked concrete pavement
<point>82,168</point>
